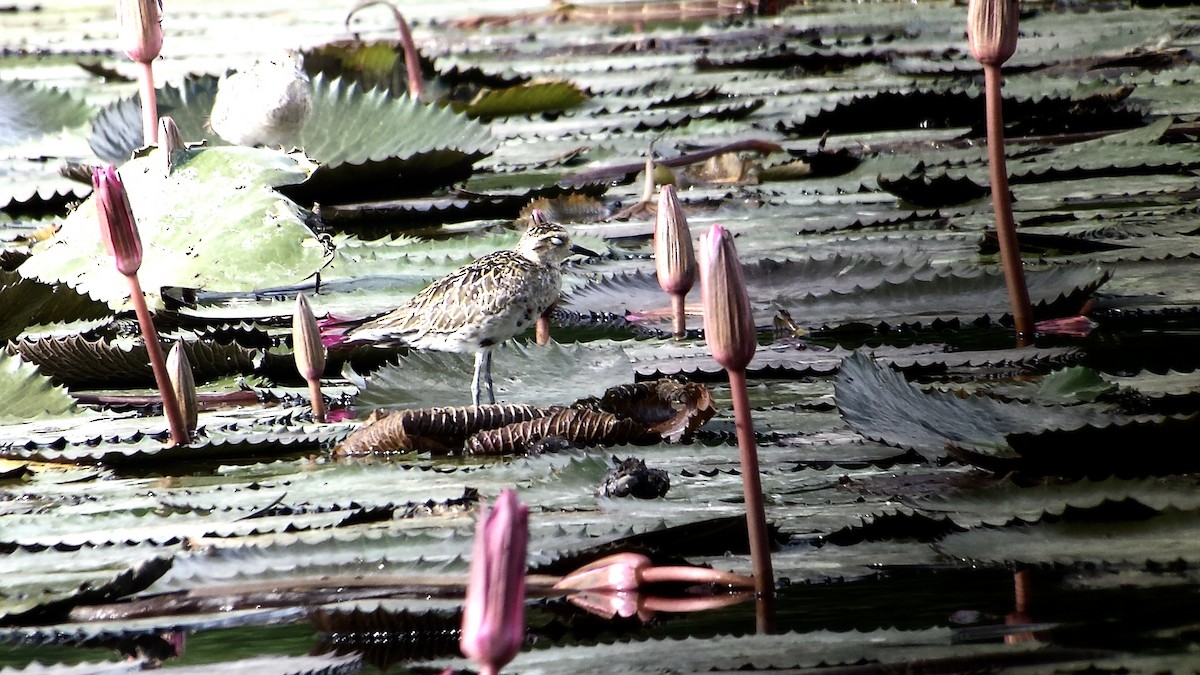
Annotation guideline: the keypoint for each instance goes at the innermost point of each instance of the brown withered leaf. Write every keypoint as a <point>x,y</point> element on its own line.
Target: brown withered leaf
<point>579,426</point>
<point>672,409</point>
<point>646,412</point>
<point>728,168</point>
<point>436,430</point>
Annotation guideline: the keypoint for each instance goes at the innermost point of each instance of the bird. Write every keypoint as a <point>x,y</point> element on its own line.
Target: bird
<point>266,104</point>
<point>482,304</point>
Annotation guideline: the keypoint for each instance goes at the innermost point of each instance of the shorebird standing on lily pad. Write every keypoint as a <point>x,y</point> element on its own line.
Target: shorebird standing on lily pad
<point>480,305</point>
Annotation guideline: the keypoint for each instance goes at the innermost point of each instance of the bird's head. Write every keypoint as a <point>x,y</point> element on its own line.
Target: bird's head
<point>547,243</point>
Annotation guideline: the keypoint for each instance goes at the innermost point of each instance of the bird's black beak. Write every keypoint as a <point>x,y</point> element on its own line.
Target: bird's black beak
<point>576,249</point>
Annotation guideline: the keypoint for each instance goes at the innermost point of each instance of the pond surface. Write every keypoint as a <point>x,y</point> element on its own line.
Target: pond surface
<point>939,499</point>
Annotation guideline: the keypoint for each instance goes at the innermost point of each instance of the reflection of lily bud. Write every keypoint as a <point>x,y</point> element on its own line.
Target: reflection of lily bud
<point>118,229</point>
<point>630,571</point>
<point>728,322</point>
<point>493,627</point>
<point>625,604</point>
<point>992,30</point>
<point>140,24</point>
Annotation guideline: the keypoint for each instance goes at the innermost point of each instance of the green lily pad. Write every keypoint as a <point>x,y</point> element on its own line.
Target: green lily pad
<point>525,98</point>
<point>527,373</point>
<point>25,393</point>
<point>215,223</point>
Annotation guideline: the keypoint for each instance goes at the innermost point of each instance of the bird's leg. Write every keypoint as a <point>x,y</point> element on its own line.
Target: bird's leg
<point>487,375</point>
<point>483,375</point>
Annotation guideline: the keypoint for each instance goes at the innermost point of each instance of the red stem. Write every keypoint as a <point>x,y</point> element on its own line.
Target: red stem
<point>1006,229</point>
<point>412,59</point>
<point>318,401</point>
<point>678,315</point>
<point>756,517</point>
<point>179,430</point>
<point>700,575</point>
<point>149,103</point>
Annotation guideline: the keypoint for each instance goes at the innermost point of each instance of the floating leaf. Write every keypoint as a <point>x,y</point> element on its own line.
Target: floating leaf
<point>536,96</point>
<point>28,111</point>
<point>26,394</point>
<point>550,375</point>
<point>215,223</point>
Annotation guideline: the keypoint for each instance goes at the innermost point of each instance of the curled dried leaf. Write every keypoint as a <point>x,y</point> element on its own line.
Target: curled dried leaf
<point>580,427</point>
<point>671,409</point>
<point>437,430</point>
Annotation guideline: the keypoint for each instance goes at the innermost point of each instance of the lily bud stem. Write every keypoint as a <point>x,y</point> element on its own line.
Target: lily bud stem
<point>179,430</point>
<point>318,399</point>
<point>756,517</point>
<point>678,316</point>
<point>1006,230</point>
<point>149,103</point>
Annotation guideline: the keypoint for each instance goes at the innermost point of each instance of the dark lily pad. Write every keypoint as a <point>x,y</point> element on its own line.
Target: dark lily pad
<point>93,362</point>
<point>28,111</point>
<point>931,109</point>
<point>1068,440</point>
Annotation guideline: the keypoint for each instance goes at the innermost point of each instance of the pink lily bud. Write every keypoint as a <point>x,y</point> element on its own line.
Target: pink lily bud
<point>728,322</point>
<point>306,340</point>
<point>674,257</point>
<point>493,627</point>
<point>618,572</point>
<point>118,229</point>
<point>992,29</point>
<point>140,24</point>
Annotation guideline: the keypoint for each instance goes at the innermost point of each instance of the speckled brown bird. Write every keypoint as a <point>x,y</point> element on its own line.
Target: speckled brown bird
<point>482,304</point>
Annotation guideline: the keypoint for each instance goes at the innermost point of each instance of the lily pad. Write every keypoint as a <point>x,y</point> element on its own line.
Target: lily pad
<point>527,373</point>
<point>28,111</point>
<point>215,223</point>
<point>27,394</point>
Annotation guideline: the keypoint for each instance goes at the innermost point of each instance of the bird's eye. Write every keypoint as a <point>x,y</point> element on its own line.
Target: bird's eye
<point>557,241</point>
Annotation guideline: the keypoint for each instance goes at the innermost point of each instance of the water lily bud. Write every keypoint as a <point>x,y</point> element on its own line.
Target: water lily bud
<point>674,256</point>
<point>618,572</point>
<point>992,30</point>
<point>308,350</point>
<point>140,24</point>
<point>118,229</point>
<point>493,627</point>
<point>170,142</point>
<point>179,370</point>
<point>728,322</point>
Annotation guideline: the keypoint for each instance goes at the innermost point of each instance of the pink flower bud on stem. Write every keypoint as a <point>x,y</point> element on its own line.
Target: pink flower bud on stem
<point>493,627</point>
<point>118,231</point>
<point>730,333</point>
<point>992,38</point>
<point>674,256</point>
<point>140,28</point>
<point>309,353</point>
